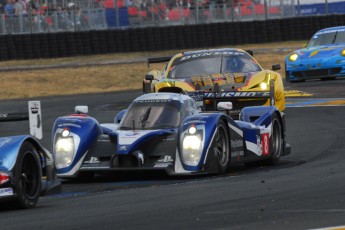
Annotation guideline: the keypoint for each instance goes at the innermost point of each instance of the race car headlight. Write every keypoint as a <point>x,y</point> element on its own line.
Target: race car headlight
<point>65,133</point>
<point>293,57</point>
<point>191,149</point>
<point>192,130</point>
<point>342,53</point>
<point>263,86</point>
<point>64,151</point>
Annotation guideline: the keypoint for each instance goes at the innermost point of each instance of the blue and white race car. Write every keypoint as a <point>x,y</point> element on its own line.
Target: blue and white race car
<point>167,131</point>
<point>323,57</point>
<point>26,167</point>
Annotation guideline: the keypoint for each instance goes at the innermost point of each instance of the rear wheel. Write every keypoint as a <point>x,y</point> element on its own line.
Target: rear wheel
<point>221,147</point>
<point>27,176</point>
<point>276,141</point>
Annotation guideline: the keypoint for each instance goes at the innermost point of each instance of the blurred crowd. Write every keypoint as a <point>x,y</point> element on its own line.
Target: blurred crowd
<point>21,14</point>
<point>42,16</point>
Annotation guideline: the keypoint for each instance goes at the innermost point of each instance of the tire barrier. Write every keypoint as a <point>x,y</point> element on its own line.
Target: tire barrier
<point>68,44</point>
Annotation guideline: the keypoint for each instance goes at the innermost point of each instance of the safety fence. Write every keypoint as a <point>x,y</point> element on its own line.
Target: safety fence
<point>64,44</point>
<point>83,15</point>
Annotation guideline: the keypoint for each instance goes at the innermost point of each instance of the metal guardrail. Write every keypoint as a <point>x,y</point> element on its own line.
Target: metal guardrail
<point>94,15</point>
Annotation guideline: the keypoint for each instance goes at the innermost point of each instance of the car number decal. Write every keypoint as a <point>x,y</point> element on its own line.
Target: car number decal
<point>265,144</point>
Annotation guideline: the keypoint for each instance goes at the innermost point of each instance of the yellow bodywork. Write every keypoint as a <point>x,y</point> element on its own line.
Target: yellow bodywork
<point>253,85</point>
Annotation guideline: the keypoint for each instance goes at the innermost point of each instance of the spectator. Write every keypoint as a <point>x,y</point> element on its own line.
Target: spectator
<point>33,4</point>
<point>9,8</point>
<point>63,18</point>
<point>2,6</point>
<point>20,8</point>
<point>9,12</point>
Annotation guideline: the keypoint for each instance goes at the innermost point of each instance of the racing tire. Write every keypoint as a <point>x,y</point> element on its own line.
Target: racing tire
<point>28,175</point>
<point>276,141</point>
<point>327,78</point>
<point>221,147</point>
<point>296,81</point>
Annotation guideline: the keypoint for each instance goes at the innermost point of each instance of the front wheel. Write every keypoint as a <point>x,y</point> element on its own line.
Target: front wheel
<point>221,147</point>
<point>27,176</point>
<point>327,78</point>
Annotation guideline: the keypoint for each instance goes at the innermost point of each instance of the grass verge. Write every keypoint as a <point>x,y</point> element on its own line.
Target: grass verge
<point>106,78</point>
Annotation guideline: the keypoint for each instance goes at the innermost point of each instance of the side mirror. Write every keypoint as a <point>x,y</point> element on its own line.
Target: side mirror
<point>119,116</point>
<point>149,77</point>
<point>250,52</point>
<point>147,83</point>
<point>81,109</point>
<point>276,67</point>
<point>224,105</point>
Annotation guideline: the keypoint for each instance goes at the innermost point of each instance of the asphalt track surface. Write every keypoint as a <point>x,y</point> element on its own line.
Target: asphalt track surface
<point>306,190</point>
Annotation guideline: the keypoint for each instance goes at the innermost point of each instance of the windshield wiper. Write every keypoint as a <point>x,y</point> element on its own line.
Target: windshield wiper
<point>143,118</point>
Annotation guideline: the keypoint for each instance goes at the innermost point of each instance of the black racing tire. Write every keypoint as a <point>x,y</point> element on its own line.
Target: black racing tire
<point>221,147</point>
<point>327,78</point>
<point>276,141</point>
<point>296,81</point>
<point>28,175</point>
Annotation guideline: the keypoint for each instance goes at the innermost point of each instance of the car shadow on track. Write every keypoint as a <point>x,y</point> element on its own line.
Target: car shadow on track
<point>142,176</point>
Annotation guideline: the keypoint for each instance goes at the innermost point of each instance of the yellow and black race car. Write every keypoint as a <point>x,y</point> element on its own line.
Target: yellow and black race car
<point>211,76</point>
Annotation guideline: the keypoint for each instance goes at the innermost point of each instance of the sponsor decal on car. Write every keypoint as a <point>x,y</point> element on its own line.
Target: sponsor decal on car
<point>69,124</point>
<point>164,162</point>
<point>129,137</point>
<point>207,54</point>
<point>123,148</point>
<point>195,121</point>
<point>329,31</point>
<point>93,160</point>
<point>132,134</point>
<point>166,159</point>
<point>237,94</point>
<point>154,101</point>
<point>161,165</point>
<point>6,192</point>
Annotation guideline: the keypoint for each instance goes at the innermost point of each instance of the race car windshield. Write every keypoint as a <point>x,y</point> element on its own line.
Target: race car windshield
<point>155,114</point>
<point>216,64</point>
<point>327,37</point>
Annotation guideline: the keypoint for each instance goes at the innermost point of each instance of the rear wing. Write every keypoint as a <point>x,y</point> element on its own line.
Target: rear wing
<point>33,115</point>
<point>6,117</point>
<point>158,60</point>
